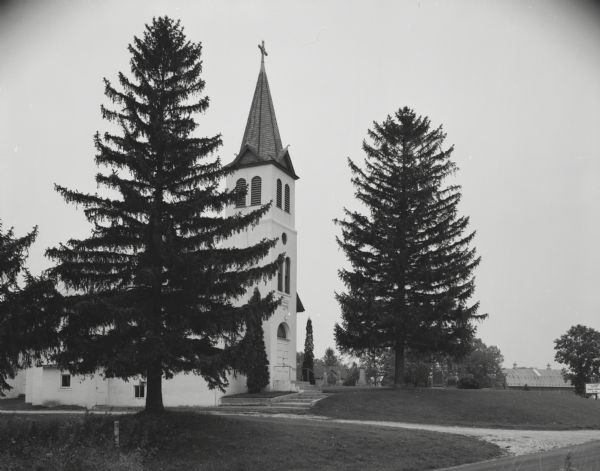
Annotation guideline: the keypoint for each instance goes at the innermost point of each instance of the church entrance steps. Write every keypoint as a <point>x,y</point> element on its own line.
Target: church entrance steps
<point>294,402</point>
<point>306,386</point>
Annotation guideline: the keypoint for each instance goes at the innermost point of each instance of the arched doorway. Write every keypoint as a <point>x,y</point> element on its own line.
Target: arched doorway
<point>282,368</point>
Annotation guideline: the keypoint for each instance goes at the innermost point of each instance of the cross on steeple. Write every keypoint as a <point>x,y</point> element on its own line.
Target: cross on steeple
<point>263,52</point>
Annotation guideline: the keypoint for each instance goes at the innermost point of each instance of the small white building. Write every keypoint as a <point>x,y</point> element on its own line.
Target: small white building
<point>265,168</point>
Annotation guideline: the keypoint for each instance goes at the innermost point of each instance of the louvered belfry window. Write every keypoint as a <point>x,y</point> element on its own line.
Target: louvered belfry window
<point>255,191</point>
<point>279,193</point>
<point>287,198</point>
<point>240,185</point>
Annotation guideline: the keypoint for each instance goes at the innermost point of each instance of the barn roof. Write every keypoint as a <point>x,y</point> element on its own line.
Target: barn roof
<point>535,378</point>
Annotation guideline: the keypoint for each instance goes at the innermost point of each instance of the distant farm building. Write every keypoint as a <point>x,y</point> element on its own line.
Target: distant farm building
<point>535,378</point>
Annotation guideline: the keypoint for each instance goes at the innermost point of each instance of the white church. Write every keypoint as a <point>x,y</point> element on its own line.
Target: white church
<point>264,167</point>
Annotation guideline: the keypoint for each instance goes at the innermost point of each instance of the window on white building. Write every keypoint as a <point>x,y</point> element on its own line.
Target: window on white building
<point>65,380</point>
<point>139,390</point>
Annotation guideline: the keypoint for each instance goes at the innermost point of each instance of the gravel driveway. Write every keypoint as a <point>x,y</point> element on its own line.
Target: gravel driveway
<point>518,442</point>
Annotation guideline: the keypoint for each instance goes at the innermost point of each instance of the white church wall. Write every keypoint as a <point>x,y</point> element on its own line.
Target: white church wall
<point>181,390</point>
<point>34,393</point>
<point>189,390</point>
<point>282,352</point>
<point>17,384</point>
<point>121,393</point>
<point>79,392</point>
<point>237,385</point>
<point>90,391</point>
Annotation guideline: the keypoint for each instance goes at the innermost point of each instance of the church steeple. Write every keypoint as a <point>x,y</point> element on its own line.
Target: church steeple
<point>261,131</point>
<point>264,169</point>
<point>262,142</point>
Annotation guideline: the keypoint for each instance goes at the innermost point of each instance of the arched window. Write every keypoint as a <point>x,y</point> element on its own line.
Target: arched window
<point>278,193</point>
<point>288,264</point>
<point>281,331</point>
<point>241,186</point>
<point>287,198</point>
<point>255,191</point>
<point>280,277</point>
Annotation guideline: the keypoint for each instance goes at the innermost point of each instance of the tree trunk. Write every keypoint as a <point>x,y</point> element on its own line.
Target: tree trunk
<point>399,364</point>
<point>154,402</point>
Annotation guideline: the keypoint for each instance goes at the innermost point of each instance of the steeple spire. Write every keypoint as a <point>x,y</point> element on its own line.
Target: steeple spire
<point>262,132</point>
<point>261,143</point>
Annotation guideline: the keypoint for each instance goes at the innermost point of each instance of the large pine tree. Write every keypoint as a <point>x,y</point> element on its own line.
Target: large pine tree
<point>308,363</point>
<point>411,264</point>
<point>153,289</point>
<point>29,308</point>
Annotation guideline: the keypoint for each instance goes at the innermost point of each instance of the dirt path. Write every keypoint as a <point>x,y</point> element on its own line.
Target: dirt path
<point>518,442</point>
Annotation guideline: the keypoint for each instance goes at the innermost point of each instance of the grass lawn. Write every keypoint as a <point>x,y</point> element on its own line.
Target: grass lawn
<point>18,403</point>
<point>480,408</point>
<point>190,441</point>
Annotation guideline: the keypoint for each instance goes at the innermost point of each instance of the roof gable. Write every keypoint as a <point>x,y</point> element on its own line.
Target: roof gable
<point>249,157</point>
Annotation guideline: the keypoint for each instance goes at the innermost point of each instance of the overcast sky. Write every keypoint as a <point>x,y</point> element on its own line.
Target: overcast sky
<point>515,84</point>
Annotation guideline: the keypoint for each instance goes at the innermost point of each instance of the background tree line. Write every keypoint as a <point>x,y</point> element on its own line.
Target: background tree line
<point>481,368</point>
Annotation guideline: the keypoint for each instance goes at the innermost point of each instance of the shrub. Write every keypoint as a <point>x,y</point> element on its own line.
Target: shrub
<point>353,375</point>
<point>468,382</point>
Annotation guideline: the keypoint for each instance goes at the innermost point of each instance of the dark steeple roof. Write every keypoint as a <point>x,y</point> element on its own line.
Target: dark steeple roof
<point>262,132</point>
<point>261,143</point>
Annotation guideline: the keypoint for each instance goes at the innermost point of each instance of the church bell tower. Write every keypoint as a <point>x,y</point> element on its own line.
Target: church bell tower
<point>264,167</point>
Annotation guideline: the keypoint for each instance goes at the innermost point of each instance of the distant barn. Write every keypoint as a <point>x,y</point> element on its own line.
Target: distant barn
<point>535,378</point>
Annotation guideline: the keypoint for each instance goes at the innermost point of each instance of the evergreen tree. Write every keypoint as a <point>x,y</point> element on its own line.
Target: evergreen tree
<point>28,314</point>
<point>308,363</point>
<point>299,363</point>
<point>153,289</point>
<point>255,358</point>
<point>411,263</point>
